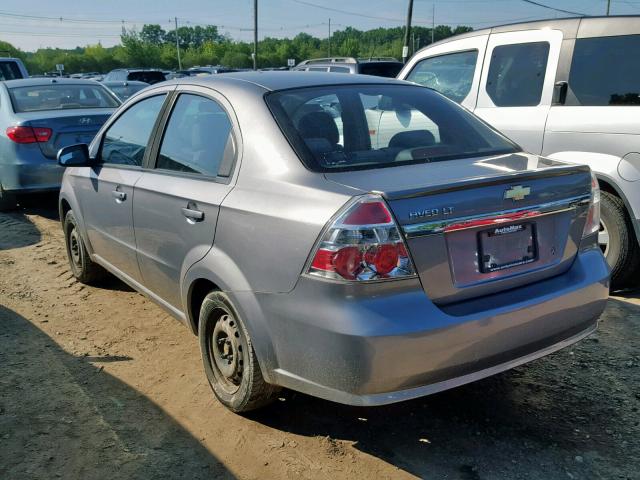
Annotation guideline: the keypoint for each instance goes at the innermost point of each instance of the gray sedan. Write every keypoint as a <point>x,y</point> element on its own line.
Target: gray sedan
<point>38,116</point>
<point>308,250</point>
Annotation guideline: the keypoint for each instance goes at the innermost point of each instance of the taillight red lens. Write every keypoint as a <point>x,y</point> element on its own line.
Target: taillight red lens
<point>25,134</point>
<point>362,244</point>
<point>42,134</point>
<point>348,262</point>
<point>369,213</point>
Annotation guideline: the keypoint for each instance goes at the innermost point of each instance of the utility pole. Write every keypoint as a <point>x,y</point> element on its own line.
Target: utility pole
<point>329,41</point>
<point>407,33</point>
<point>608,7</point>
<point>255,34</point>
<point>433,23</point>
<point>178,44</point>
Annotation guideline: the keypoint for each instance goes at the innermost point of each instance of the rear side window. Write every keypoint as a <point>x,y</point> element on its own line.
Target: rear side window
<point>9,71</point>
<point>381,69</point>
<point>606,71</point>
<point>198,138</point>
<point>60,96</point>
<point>150,76</point>
<point>516,74</point>
<point>339,69</point>
<point>126,140</point>
<point>450,74</point>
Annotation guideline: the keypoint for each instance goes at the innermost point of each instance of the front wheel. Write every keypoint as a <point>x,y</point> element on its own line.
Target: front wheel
<point>618,242</point>
<point>230,362</point>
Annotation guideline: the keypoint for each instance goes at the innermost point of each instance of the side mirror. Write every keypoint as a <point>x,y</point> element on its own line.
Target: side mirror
<point>74,156</point>
<point>559,93</point>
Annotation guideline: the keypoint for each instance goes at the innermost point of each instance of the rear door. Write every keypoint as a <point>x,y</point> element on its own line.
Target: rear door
<point>516,86</point>
<point>105,191</point>
<point>177,201</point>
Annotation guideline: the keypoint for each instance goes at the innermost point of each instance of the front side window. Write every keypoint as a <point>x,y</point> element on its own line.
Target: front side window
<point>606,70</point>
<point>335,128</point>
<point>125,142</point>
<point>60,96</point>
<point>450,74</point>
<point>198,138</point>
<point>516,74</point>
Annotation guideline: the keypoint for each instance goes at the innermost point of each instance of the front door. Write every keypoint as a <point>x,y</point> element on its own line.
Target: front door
<point>105,191</point>
<point>516,86</point>
<point>177,201</point>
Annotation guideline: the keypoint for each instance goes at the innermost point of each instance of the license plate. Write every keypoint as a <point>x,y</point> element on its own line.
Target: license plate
<point>507,247</point>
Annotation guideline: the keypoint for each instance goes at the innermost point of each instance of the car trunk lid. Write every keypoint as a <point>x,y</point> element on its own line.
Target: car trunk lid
<point>478,226</point>
<point>67,127</point>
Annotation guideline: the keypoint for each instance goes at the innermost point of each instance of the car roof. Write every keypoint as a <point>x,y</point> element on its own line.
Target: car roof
<point>283,80</point>
<point>572,27</point>
<point>27,82</point>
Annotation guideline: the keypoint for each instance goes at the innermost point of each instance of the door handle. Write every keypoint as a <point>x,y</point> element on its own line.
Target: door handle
<point>192,214</point>
<point>119,196</point>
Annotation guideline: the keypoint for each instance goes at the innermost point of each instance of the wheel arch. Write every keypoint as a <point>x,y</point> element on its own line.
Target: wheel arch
<point>608,184</point>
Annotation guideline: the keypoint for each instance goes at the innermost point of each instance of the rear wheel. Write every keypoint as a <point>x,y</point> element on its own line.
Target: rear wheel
<point>7,201</point>
<point>82,267</point>
<point>230,362</point>
<point>618,242</point>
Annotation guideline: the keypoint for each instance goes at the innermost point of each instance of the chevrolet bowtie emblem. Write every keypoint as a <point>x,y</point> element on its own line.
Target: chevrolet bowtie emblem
<point>517,193</point>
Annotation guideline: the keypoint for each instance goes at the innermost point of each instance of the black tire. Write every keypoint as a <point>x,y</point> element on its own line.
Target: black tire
<point>8,201</point>
<point>229,359</point>
<point>622,252</point>
<point>82,267</point>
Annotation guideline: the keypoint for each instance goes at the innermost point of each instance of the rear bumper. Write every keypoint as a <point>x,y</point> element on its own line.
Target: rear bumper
<point>384,343</point>
<point>31,177</point>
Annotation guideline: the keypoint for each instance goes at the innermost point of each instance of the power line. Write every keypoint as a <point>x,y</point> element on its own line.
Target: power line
<point>554,8</point>
<point>346,12</point>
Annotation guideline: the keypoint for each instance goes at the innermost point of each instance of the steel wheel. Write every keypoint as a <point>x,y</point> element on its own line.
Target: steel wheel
<point>227,352</point>
<point>603,238</point>
<point>75,251</point>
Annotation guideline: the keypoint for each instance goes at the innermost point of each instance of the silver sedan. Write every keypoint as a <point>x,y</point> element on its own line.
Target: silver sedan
<point>313,247</point>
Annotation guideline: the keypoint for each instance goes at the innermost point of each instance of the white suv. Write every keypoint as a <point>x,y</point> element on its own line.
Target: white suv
<point>567,89</point>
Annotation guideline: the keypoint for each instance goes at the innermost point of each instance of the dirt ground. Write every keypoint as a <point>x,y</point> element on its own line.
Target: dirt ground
<point>101,383</point>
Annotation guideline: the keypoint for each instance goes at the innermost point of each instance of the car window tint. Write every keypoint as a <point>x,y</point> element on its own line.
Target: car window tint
<point>516,74</point>
<point>317,69</point>
<point>351,127</point>
<point>381,69</point>
<point>606,70</point>
<point>126,139</point>
<point>339,69</point>
<point>451,74</point>
<point>9,71</point>
<point>197,138</point>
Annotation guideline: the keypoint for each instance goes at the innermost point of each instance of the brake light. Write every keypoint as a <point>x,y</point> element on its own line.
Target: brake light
<point>363,243</point>
<point>592,224</point>
<point>26,134</point>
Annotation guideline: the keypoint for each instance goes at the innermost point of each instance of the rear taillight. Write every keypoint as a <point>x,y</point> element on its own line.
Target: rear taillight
<point>26,134</point>
<point>362,244</point>
<point>593,216</point>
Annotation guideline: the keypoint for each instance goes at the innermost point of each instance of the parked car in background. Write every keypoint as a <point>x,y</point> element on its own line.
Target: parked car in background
<point>304,256</point>
<point>210,70</point>
<point>146,75</point>
<point>379,66</point>
<point>12,69</point>
<point>567,89</point>
<point>124,90</point>
<point>38,116</point>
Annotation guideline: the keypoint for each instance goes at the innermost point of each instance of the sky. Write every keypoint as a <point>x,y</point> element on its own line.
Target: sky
<point>71,23</point>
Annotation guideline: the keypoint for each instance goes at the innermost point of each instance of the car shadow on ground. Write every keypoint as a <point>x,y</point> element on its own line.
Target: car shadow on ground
<point>17,231</point>
<point>544,420</point>
<point>61,416</point>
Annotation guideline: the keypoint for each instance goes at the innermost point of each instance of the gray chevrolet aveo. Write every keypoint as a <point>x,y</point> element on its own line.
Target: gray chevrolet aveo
<point>311,246</point>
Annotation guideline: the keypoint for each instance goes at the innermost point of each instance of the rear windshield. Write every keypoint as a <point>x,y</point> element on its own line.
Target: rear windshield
<point>10,71</point>
<point>381,69</point>
<point>147,76</point>
<point>125,91</point>
<point>60,96</point>
<point>353,127</point>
